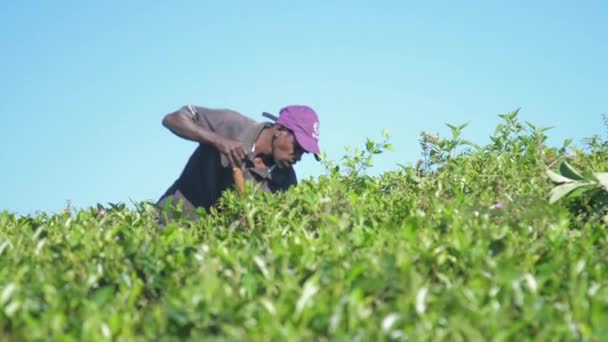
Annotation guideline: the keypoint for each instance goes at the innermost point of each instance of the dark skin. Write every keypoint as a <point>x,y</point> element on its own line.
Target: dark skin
<point>275,145</point>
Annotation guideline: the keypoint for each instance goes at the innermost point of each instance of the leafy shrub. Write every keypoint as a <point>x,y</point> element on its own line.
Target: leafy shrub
<point>464,246</point>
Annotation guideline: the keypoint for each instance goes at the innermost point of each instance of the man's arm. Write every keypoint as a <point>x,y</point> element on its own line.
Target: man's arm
<point>186,123</point>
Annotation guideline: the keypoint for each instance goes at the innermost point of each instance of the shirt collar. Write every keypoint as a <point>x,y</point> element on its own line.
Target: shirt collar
<point>250,135</point>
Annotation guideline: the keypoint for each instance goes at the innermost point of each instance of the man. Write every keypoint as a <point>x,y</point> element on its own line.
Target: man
<point>266,152</point>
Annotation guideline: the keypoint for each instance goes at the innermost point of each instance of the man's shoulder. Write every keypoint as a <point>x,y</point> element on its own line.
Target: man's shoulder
<point>227,122</point>
<point>225,114</point>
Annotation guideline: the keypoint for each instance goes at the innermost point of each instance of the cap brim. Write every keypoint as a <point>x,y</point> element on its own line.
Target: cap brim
<point>308,143</point>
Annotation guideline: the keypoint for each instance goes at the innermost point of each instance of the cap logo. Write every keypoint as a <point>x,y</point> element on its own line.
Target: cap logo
<point>315,130</point>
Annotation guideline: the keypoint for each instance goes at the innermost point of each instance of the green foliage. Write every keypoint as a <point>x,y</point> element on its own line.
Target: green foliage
<point>589,192</point>
<point>464,247</point>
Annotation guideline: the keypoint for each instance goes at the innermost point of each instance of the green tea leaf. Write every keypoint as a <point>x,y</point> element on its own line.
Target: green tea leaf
<point>568,171</point>
<point>103,294</point>
<point>557,178</point>
<point>602,178</point>
<point>562,190</point>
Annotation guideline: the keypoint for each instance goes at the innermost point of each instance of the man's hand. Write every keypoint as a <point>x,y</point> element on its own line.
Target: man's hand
<point>233,150</point>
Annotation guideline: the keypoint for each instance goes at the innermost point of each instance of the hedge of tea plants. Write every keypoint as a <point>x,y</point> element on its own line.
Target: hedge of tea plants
<point>470,243</point>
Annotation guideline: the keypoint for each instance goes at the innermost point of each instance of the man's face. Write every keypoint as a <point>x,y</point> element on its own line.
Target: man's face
<point>285,149</point>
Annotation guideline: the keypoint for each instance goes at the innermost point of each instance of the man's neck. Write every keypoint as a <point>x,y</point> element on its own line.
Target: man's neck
<point>263,146</point>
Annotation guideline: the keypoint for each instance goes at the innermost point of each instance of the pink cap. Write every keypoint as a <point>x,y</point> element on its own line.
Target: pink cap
<point>304,123</point>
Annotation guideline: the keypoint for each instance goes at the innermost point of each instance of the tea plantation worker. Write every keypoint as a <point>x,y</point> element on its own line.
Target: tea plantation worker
<point>264,151</point>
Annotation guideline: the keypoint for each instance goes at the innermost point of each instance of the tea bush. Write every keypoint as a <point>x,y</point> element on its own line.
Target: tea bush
<point>463,246</point>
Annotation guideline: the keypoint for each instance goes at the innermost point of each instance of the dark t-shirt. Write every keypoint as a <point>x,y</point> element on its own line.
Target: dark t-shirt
<point>208,173</point>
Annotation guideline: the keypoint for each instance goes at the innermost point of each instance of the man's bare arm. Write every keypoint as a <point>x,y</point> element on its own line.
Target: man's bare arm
<point>183,124</point>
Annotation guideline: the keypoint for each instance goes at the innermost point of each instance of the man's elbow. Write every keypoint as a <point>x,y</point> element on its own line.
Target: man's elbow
<point>171,120</point>
<point>167,121</point>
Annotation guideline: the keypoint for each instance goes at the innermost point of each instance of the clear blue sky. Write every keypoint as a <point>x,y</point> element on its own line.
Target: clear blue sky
<point>84,86</point>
